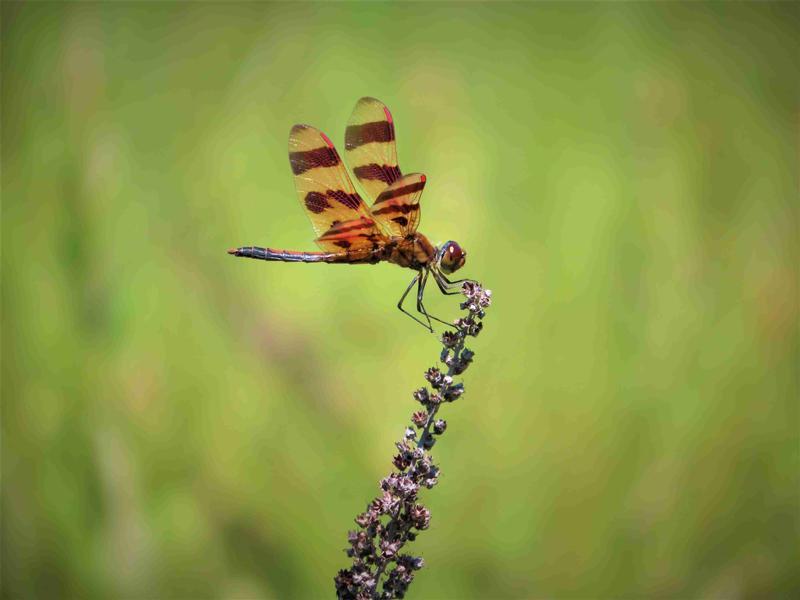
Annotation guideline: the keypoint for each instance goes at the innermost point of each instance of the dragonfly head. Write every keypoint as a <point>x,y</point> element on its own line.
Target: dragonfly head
<point>451,257</point>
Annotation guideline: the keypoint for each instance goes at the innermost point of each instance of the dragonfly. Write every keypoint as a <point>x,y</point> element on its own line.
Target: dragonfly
<point>349,231</point>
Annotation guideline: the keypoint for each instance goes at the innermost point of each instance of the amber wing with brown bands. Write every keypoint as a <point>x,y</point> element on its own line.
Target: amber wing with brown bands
<point>358,234</point>
<point>397,208</point>
<point>369,143</point>
<point>323,185</point>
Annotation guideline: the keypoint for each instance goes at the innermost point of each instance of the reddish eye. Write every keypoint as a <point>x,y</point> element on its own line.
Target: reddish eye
<point>453,257</point>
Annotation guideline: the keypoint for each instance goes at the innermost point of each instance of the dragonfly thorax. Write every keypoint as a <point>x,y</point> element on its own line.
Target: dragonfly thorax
<point>413,251</point>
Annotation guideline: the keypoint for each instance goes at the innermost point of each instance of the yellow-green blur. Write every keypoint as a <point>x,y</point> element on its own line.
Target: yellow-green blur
<point>178,423</point>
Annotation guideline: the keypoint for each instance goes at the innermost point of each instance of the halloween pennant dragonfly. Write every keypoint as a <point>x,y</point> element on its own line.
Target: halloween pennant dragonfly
<point>350,232</point>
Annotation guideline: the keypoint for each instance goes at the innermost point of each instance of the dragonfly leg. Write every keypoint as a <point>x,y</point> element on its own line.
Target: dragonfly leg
<point>417,279</point>
<point>450,284</point>
<point>420,307</point>
<point>421,281</point>
<point>446,286</point>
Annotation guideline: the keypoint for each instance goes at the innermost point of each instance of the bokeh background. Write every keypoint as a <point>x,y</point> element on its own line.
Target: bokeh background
<point>180,424</point>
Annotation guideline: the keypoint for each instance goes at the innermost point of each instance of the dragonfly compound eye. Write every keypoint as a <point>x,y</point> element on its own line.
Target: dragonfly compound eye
<point>453,257</point>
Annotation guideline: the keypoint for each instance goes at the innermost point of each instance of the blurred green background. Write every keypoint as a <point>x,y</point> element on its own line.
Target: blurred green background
<point>180,424</point>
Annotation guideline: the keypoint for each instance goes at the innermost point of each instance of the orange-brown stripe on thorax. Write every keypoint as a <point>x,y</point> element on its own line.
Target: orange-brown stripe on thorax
<point>413,251</point>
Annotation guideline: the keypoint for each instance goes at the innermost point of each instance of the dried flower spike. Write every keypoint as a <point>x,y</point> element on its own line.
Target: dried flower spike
<point>379,569</point>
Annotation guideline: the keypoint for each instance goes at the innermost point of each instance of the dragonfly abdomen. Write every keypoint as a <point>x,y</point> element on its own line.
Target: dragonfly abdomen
<point>352,257</point>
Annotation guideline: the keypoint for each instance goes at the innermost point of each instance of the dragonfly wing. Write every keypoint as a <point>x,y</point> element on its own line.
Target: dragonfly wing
<point>356,236</point>
<point>370,146</point>
<point>323,185</point>
<point>397,207</point>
